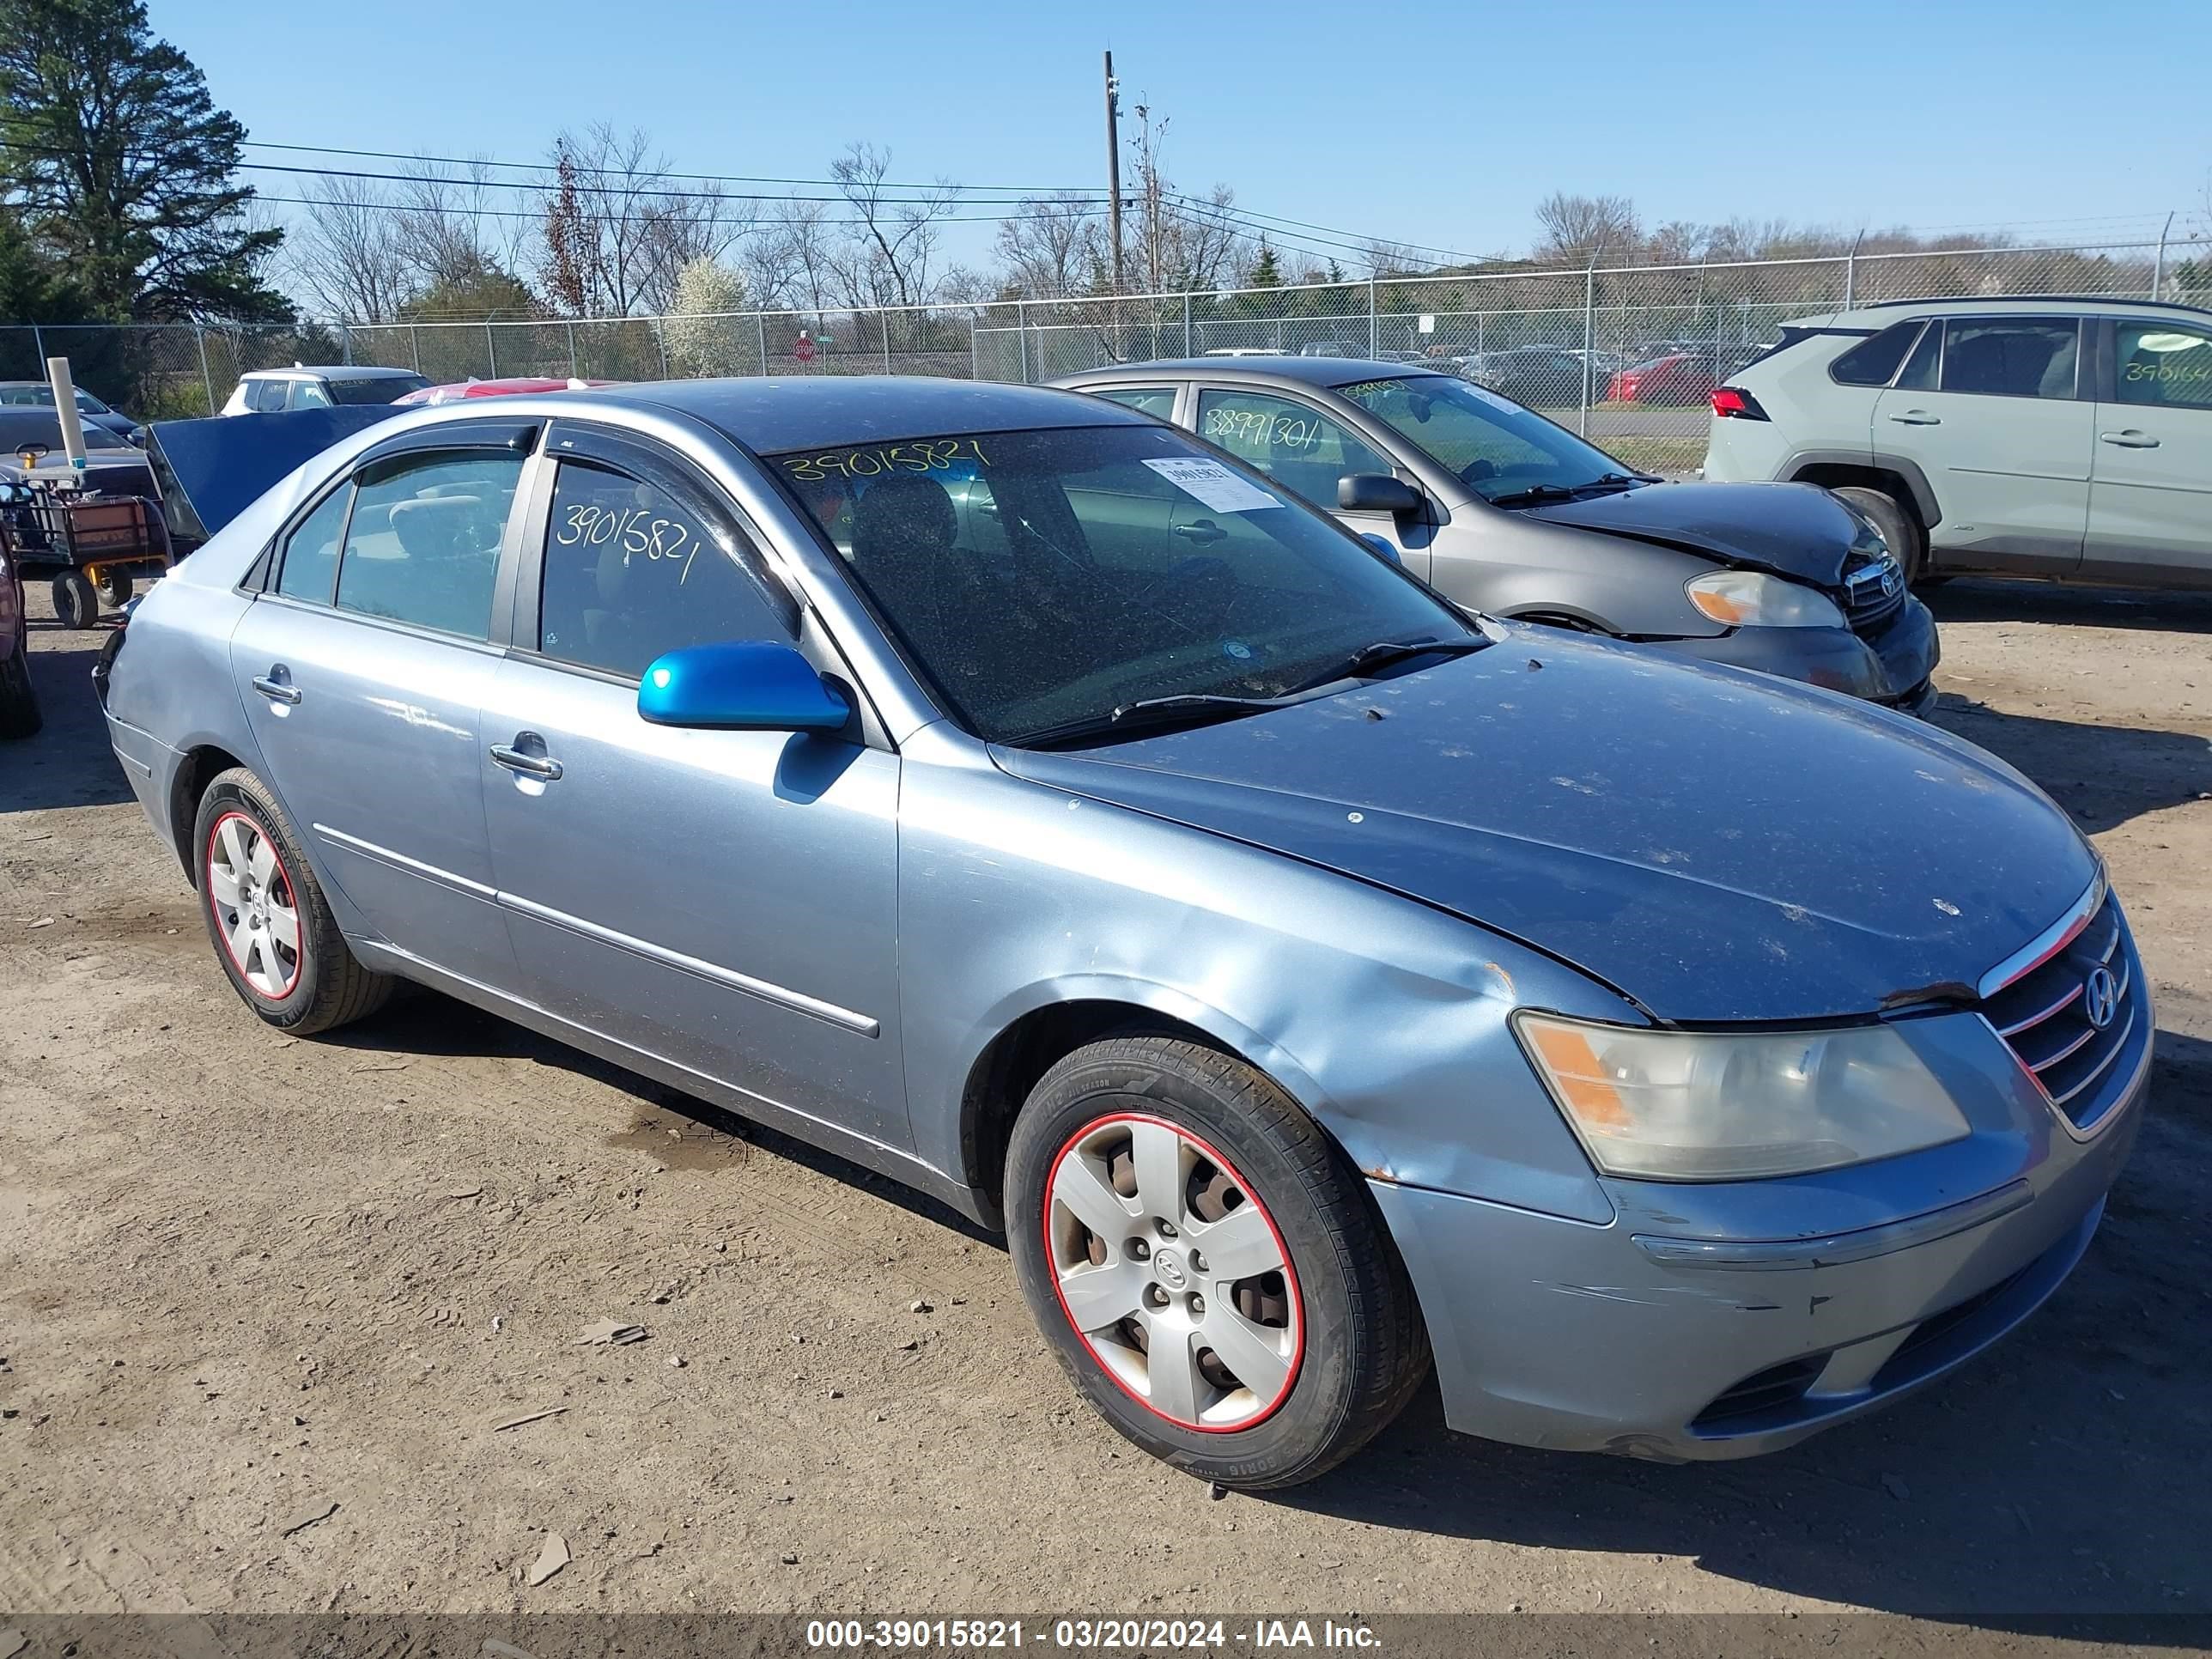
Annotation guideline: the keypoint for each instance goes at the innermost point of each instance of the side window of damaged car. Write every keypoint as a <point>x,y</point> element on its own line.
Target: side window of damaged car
<point>639,565</point>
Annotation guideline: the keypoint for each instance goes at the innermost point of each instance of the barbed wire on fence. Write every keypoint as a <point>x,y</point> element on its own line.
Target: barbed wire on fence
<point>1560,339</point>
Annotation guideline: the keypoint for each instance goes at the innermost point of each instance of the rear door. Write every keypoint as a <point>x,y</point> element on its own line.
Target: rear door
<point>1306,450</point>
<point>361,668</point>
<point>2000,417</point>
<point>2150,493</point>
<point>724,900</point>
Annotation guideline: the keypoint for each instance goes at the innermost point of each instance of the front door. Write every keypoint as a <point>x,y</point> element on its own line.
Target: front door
<point>723,900</point>
<point>362,671</point>
<point>2003,424</point>
<point>1306,451</point>
<point>2150,494</point>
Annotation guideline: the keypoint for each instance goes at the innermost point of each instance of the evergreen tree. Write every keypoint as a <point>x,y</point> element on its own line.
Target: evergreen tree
<point>122,169</point>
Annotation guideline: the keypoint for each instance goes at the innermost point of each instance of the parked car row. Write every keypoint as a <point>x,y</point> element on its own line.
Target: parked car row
<point>1050,808</point>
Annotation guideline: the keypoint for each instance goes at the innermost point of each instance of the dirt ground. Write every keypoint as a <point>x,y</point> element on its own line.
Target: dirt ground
<point>247,1281</point>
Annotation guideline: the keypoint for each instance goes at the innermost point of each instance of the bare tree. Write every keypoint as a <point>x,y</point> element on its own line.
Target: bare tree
<point>1384,259</point>
<point>1053,246</point>
<point>1182,242</point>
<point>889,240</point>
<point>789,261</point>
<point>1582,228</point>
<point>617,230</point>
<point>346,257</point>
<point>458,228</point>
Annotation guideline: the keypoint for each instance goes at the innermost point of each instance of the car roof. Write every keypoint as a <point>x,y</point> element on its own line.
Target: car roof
<point>778,414</point>
<point>1311,371</point>
<point>1882,312</point>
<point>340,371</point>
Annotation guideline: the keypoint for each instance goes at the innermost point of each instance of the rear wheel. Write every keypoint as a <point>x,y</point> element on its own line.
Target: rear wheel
<point>76,601</point>
<point>19,703</point>
<point>114,586</point>
<point>1206,1266</point>
<point>1899,527</point>
<point>272,929</point>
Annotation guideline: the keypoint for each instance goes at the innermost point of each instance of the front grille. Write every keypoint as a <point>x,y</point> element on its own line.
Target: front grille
<point>1874,591</point>
<point>2046,1016</point>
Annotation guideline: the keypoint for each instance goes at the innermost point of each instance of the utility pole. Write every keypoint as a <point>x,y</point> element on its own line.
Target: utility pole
<point>1113,166</point>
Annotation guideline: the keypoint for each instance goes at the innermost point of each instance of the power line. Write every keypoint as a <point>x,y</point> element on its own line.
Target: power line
<point>534,214</point>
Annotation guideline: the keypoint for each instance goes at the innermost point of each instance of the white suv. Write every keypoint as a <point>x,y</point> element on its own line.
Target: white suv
<point>2066,439</point>
<point>267,390</point>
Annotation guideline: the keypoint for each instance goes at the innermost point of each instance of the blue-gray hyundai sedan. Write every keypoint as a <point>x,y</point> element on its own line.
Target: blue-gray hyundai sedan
<point>1017,797</point>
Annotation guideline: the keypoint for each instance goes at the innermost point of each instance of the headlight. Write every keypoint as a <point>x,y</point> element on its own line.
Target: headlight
<point>1744,599</point>
<point>1696,1106</point>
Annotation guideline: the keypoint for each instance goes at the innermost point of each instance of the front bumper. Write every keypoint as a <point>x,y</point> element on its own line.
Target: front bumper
<point>1891,666</point>
<point>1718,1322</point>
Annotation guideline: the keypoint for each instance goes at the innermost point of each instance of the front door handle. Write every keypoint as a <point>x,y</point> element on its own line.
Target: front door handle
<point>515,760</point>
<point>277,690</point>
<point>1917,418</point>
<point>2130,439</point>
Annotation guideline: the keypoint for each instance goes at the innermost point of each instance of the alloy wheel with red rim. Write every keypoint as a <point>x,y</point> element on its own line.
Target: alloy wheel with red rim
<point>256,913</point>
<point>1172,1273</point>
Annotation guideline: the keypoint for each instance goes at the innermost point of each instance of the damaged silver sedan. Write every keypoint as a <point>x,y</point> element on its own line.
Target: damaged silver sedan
<point>1052,814</point>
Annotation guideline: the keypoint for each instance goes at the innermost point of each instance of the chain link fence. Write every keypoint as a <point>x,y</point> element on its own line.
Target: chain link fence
<point>1626,354</point>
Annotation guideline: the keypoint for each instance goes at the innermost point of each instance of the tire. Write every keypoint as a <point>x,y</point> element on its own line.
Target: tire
<point>76,601</point>
<point>287,962</point>
<point>1900,528</point>
<point>19,703</point>
<point>1331,1335</point>
<point>115,588</point>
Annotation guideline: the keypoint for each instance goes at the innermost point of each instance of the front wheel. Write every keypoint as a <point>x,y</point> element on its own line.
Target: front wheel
<point>1205,1265</point>
<point>76,601</point>
<point>272,929</point>
<point>115,586</point>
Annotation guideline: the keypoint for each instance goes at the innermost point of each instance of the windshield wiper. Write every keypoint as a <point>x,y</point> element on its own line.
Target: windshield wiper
<point>1615,481</point>
<point>1151,714</point>
<point>1383,652</point>
<point>1533,493</point>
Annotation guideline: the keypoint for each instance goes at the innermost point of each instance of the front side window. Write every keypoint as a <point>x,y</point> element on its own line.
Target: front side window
<point>1157,401</point>
<point>1498,448</point>
<point>1041,580</point>
<point>310,553</point>
<point>422,546</point>
<point>2011,357</point>
<point>2159,363</point>
<point>1296,445</point>
<point>632,569</point>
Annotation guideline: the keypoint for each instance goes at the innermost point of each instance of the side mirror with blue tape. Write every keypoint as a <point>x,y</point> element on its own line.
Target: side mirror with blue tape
<point>749,685</point>
<point>1384,547</point>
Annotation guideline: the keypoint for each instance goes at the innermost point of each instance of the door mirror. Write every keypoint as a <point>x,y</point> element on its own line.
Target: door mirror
<point>750,685</point>
<point>1376,492</point>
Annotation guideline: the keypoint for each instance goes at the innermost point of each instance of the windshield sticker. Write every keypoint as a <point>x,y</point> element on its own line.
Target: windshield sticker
<point>941,455</point>
<point>1213,484</point>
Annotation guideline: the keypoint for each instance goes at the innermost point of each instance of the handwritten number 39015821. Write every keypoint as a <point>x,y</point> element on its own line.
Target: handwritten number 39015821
<point>633,529</point>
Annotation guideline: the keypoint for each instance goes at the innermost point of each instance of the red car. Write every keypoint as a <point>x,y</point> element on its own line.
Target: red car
<point>1680,378</point>
<point>455,391</point>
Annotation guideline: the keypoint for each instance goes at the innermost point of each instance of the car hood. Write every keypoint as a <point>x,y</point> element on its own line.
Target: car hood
<point>1790,529</point>
<point>1715,845</point>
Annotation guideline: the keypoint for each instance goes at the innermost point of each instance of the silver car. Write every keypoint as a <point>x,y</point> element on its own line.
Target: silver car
<point>1009,794</point>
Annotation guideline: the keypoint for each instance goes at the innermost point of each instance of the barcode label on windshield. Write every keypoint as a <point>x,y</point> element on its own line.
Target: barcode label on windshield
<point>1213,484</point>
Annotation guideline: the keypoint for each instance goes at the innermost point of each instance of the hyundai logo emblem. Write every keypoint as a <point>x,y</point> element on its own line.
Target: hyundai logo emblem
<point>2100,997</point>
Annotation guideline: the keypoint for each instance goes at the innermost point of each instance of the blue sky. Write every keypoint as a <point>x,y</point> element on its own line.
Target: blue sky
<point>1423,121</point>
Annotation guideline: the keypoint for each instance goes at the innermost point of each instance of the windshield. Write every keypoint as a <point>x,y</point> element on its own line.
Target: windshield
<point>1043,579</point>
<point>1495,447</point>
<point>384,389</point>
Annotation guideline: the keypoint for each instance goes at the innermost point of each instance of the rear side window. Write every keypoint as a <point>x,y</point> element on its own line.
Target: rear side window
<point>422,546</point>
<point>1871,362</point>
<point>1157,401</point>
<point>311,556</point>
<point>265,397</point>
<point>1920,368</point>
<point>632,569</point>
<point>2011,357</point>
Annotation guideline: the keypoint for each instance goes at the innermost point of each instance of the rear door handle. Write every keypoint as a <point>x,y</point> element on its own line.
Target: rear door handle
<point>1917,418</point>
<point>277,690</point>
<point>2130,439</point>
<point>536,766</point>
